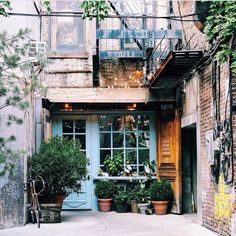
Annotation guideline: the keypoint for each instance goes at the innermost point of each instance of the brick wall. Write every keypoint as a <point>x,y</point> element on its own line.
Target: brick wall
<point>216,199</point>
<point>121,73</point>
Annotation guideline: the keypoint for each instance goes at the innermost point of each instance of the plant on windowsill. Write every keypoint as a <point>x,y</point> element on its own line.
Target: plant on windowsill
<point>161,194</point>
<point>105,190</point>
<point>62,165</point>
<point>121,199</point>
<point>113,164</point>
<point>149,168</point>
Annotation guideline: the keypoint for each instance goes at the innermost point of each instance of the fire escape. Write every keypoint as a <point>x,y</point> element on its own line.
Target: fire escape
<point>139,36</point>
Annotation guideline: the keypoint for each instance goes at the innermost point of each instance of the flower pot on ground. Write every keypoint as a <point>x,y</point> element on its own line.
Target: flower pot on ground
<point>121,200</point>
<point>161,194</point>
<point>143,207</point>
<point>134,206</point>
<point>62,165</point>
<point>104,190</point>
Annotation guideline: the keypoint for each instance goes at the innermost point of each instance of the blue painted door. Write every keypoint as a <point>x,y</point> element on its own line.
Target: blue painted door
<point>77,128</point>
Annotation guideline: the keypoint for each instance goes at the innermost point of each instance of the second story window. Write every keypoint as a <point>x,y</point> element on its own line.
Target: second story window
<point>67,33</point>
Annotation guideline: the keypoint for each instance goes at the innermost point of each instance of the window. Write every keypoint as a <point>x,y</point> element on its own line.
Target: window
<point>66,33</point>
<point>128,135</point>
<point>76,130</point>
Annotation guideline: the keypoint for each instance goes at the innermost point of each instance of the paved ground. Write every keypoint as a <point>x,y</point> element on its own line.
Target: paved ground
<point>113,224</point>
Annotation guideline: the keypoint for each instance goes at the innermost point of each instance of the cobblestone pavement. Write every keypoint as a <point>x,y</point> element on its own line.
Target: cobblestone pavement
<point>86,223</point>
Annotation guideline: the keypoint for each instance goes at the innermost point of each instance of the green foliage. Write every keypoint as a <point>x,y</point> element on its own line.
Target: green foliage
<point>113,165</point>
<point>221,27</point>
<point>160,190</point>
<point>4,7</point>
<point>62,165</point>
<point>139,194</point>
<point>122,195</point>
<point>47,5</point>
<point>105,189</point>
<point>18,78</point>
<point>95,8</point>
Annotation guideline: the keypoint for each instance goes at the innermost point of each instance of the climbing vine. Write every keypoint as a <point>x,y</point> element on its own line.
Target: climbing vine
<point>220,27</point>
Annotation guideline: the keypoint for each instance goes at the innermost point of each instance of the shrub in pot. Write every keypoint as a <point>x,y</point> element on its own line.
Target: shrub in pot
<point>62,165</point>
<point>121,198</point>
<point>143,198</point>
<point>105,190</point>
<point>161,193</point>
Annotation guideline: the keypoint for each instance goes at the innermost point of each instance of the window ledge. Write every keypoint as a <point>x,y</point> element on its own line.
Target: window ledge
<point>131,178</point>
<point>69,55</point>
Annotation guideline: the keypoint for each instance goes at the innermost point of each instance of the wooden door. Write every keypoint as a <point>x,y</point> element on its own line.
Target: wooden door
<point>168,156</point>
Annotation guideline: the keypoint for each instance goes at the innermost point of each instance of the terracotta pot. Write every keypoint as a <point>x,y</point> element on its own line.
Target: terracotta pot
<point>160,207</point>
<point>59,198</point>
<point>104,204</point>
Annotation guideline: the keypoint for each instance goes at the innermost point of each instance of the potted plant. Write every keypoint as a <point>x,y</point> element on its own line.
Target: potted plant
<point>104,190</point>
<point>133,199</point>
<point>143,198</point>
<point>62,165</point>
<point>160,193</point>
<point>121,198</point>
<point>113,164</point>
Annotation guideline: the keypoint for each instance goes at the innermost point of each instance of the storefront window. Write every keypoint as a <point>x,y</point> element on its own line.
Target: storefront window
<point>128,135</point>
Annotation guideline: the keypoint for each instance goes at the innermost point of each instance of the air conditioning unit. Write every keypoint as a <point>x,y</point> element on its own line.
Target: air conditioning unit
<point>36,47</point>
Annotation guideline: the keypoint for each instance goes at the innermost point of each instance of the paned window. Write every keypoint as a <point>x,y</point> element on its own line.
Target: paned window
<point>66,32</point>
<point>128,135</point>
<point>75,130</point>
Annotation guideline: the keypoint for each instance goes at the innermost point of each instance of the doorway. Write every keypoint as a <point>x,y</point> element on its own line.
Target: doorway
<point>189,169</point>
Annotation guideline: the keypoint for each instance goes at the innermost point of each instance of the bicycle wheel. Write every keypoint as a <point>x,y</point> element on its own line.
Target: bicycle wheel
<point>37,218</point>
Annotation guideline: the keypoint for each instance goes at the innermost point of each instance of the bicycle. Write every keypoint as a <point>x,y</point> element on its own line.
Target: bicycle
<point>34,206</point>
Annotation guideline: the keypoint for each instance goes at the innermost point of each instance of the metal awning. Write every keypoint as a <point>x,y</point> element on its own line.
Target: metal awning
<point>173,69</point>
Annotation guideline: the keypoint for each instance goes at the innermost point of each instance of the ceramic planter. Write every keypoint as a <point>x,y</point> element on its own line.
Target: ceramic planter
<point>121,207</point>
<point>143,207</point>
<point>104,204</point>
<point>160,207</point>
<point>134,207</point>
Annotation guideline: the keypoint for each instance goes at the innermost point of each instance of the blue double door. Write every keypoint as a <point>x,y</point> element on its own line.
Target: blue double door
<point>77,128</point>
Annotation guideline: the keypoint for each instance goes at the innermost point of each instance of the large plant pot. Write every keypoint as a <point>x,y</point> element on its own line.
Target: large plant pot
<point>143,207</point>
<point>51,213</point>
<point>104,204</point>
<point>134,207</point>
<point>59,198</point>
<point>121,207</point>
<point>160,207</point>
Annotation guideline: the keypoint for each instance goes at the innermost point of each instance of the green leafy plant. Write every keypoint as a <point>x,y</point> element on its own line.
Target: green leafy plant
<point>105,189</point>
<point>95,8</point>
<point>113,164</point>
<point>62,165</point>
<point>149,167</point>
<point>160,190</point>
<point>220,28</point>
<point>122,195</point>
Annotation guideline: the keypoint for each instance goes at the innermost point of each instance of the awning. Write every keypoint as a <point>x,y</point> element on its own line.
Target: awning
<point>97,95</point>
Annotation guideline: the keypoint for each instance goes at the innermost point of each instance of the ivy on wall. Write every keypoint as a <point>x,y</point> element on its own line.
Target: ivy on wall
<point>220,27</point>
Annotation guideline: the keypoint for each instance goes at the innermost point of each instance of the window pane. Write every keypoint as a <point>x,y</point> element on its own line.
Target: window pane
<point>68,136</point>
<point>82,140</point>
<point>143,122</point>
<point>143,155</point>
<point>118,140</point>
<point>144,140</point>
<point>67,126</point>
<point>103,154</point>
<point>131,156</point>
<point>80,126</point>
<point>130,122</point>
<point>105,123</point>
<point>105,140</point>
<point>118,123</point>
<point>131,139</point>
